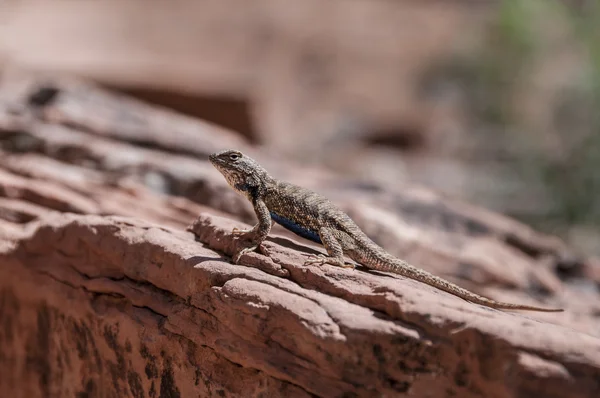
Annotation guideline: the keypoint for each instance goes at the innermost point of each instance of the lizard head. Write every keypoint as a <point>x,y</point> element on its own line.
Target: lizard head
<point>243,173</point>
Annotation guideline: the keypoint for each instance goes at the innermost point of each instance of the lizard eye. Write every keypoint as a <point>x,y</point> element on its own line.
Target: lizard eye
<point>234,156</point>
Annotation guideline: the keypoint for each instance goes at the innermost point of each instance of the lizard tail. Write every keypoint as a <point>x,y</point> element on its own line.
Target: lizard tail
<point>400,267</point>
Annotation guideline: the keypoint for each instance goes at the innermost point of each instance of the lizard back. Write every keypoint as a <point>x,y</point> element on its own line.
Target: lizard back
<point>304,212</point>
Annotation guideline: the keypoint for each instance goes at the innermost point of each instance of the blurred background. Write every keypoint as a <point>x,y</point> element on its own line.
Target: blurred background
<point>493,102</point>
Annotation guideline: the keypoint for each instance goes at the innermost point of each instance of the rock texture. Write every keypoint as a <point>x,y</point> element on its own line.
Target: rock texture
<point>105,292</point>
<point>454,94</point>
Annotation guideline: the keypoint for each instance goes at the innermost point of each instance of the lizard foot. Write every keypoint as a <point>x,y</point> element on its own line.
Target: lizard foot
<point>238,232</point>
<point>323,259</point>
<point>258,248</point>
<point>316,259</point>
<point>236,256</point>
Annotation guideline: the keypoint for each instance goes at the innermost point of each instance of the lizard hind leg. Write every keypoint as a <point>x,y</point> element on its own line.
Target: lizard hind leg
<point>334,250</point>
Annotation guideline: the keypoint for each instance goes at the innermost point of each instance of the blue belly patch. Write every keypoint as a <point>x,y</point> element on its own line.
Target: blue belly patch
<point>295,228</point>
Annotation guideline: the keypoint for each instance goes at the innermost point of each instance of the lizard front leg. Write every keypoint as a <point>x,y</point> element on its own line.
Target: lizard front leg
<point>258,233</point>
<point>334,251</point>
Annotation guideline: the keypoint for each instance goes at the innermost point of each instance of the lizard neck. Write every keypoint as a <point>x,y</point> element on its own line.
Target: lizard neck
<point>254,185</point>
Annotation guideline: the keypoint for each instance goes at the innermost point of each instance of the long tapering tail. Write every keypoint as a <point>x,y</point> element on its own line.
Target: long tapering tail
<point>387,262</point>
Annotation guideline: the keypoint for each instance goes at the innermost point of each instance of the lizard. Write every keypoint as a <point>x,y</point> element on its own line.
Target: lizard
<point>314,217</point>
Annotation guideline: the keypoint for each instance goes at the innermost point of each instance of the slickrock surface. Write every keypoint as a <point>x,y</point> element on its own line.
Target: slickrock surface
<point>115,275</point>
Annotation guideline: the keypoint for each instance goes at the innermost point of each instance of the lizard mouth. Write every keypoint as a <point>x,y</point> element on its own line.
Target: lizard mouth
<point>221,166</point>
<point>216,162</point>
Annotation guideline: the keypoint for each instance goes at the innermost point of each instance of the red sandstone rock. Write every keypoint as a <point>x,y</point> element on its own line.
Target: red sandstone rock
<point>118,307</point>
<point>133,305</point>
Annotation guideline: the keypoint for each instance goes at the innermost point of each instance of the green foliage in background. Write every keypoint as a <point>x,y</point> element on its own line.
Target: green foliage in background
<point>571,177</point>
<point>574,178</point>
<point>561,154</point>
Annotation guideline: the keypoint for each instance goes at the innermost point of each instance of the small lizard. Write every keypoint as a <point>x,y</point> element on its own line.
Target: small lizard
<point>314,217</point>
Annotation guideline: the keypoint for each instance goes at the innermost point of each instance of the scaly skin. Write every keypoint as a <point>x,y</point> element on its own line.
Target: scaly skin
<point>312,216</point>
